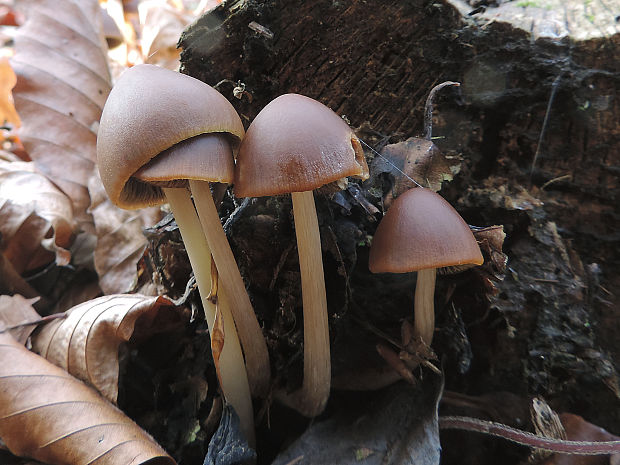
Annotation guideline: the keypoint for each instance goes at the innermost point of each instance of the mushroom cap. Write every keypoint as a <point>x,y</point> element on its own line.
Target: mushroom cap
<point>422,230</point>
<point>148,111</point>
<point>296,144</point>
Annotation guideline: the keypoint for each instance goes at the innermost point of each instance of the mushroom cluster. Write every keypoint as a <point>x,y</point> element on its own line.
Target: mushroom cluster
<point>164,137</point>
<point>160,133</point>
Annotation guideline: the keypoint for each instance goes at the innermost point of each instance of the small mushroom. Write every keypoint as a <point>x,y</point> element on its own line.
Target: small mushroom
<point>158,130</point>
<point>294,145</point>
<point>424,233</point>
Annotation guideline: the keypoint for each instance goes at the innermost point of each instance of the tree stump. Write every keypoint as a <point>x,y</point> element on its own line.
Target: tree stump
<point>535,128</point>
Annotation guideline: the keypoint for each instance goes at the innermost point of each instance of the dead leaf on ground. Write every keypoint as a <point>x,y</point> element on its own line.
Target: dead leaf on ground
<point>66,422</point>
<point>16,310</point>
<point>7,82</point>
<point>11,282</point>
<point>120,240</point>
<point>161,26</point>
<point>491,241</point>
<point>414,158</point>
<point>62,84</point>
<point>36,218</point>
<point>87,341</point>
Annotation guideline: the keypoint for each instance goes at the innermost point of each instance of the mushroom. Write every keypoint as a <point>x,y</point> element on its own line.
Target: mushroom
<point>424,233</point>
<point>159,129</point>
<point>295,145</point>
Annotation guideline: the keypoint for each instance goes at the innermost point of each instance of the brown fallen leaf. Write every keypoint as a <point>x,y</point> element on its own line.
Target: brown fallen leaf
<point>11,282</point>
<point>120,241</point>
<point>415,158</point>
<point>86,342</point>
<point>161,25</point>
<point>50,416</point>
<point>62,83</point>
<point>16,310</point>
<point>7,82</point>
<point>36,218</point>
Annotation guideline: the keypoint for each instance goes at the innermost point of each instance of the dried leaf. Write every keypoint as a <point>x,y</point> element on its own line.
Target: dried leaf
<point>48,415</point>
<point>36,219</point>
<point>491,241</point>
<point>11,282</point>
<point>86,342</point>
<point>162,25</point>
<point>120,242</point>
<point>7,82</point>
<point>62,83</point>
<point>16,310</point>
<point>414,158</point>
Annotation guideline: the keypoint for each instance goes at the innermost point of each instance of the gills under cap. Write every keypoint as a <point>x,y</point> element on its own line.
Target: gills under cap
<point>296,144</point>
<point>150,110</point>
<point>421,230</point>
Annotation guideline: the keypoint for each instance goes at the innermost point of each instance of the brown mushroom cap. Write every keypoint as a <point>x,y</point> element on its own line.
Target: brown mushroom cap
<point>421,230</point>
<point>296,144</point>
<point>149,110</point>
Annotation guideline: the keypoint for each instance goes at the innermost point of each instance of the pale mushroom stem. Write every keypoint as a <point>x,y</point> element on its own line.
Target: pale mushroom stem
<point>250,333</point>
<point>424,305</point>
<point>233,376</point>
<point>312,398</point>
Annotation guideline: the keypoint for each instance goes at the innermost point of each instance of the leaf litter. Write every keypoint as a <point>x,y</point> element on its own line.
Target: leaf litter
<point>67,422</point>
<point>86,343</point>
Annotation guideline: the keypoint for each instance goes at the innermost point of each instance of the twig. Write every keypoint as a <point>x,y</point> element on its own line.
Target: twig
<point>554,90</point>
<point>428,108</point>
<point>528,439</point>
<point>551,181</point>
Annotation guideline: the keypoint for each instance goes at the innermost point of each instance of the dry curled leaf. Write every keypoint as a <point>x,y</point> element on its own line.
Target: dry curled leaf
<point>491,241</point>
<point>48,415</point>
<point>62,83</point>
<point>415,158</point>
<point>86,342</point>
<point>36,219</point>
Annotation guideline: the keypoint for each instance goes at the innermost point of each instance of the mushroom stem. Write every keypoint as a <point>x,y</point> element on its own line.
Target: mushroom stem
<point>233,377</point>
<point>250,333</point>
<point>424,305</point>
<point>312,398</point>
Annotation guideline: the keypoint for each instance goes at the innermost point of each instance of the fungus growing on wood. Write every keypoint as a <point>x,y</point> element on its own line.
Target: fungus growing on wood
<point>159,131</point>
<point>295,145</point>
<point>424,233</point>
